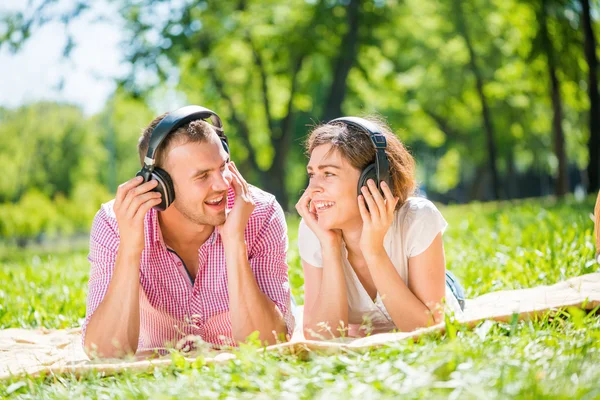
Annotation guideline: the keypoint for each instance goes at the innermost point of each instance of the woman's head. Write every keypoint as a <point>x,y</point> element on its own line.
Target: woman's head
<point>338,153</point>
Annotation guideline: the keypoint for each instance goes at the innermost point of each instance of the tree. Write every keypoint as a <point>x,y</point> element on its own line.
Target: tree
<point>463,30</point>
<point>593,168</point>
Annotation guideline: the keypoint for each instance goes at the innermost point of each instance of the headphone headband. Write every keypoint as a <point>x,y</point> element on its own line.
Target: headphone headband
<point>381,164</point>
<point>176,119</point>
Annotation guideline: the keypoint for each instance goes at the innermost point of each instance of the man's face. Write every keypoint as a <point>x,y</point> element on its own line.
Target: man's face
<point>332,186</point>
<point>201,177</point>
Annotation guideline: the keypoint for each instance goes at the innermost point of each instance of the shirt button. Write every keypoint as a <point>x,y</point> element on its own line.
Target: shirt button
<point>179,264</point>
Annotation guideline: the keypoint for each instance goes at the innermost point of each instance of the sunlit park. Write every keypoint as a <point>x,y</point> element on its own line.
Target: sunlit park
<point>441,241</point>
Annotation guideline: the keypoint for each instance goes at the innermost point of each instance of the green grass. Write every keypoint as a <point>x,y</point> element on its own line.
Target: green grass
<point>489,246</point>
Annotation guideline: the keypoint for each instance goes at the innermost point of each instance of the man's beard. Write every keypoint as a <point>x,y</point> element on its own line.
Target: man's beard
<point>198,218</point>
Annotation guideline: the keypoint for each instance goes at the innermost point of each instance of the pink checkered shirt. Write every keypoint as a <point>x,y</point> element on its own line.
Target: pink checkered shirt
<point>171,306</point>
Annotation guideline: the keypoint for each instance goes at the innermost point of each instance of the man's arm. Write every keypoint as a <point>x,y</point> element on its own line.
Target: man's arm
<point>113,323</point>
<point>250,309</point>
<point>258,289</point>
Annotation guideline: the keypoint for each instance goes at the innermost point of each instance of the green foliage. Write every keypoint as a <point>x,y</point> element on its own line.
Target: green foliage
<point>489,246</point>
<point>270,69</point>
<point>35,214</point>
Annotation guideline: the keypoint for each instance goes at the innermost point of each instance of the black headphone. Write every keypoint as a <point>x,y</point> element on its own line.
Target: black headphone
<point>170,123</point>
<point>379,170</point>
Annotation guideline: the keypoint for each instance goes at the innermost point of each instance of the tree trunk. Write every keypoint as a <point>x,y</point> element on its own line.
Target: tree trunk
<point>558,136</point>
<point>345,60</point>
<point>282,142</point>
<point>593,169</point>
<point>487,120</point>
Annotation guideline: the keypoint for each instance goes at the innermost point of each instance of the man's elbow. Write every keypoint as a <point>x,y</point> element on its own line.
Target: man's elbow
<point>104,350</point>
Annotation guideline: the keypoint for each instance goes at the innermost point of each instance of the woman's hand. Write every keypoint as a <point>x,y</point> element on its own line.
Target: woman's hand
<point>377,219</point>
<point>327,237</point>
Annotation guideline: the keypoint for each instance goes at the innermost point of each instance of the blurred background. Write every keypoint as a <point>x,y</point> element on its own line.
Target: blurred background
<point>496,99</point>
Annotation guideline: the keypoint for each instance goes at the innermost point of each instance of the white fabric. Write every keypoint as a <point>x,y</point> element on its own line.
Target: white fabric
<point>415,226</point>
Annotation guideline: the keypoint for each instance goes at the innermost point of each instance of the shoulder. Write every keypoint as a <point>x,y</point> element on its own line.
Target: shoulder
<point>417,208</point>
<point>420,222</point>
<point>105,230</point>
<point>105,218</point>
<point>266,206</point>
<point>309,246</point>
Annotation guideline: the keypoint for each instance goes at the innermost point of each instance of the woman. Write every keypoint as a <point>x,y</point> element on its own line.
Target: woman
<point>373,262</point>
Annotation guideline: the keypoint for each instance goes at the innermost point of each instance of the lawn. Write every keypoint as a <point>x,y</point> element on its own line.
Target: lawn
<point>489,246</point>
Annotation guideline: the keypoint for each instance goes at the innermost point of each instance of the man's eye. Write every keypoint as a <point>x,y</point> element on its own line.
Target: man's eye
<point>328,174</point>
<point>310,175</point>
<point>201,177</point>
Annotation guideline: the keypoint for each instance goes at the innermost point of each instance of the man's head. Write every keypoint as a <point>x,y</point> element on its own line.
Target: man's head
<point>197,163</point>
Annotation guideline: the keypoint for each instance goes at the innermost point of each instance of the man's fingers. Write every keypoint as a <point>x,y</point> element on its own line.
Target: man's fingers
<point>136,191</point>
<point>237,185</point>
<point>145,207</point>
<point>124,188</point>
<point>241,179</point>
<point>139,200</point>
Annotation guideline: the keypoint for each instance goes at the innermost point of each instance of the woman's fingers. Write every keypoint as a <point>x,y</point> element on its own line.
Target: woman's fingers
<point>303,204</point>
<point>362,208</point>
<point>373,207</point>
<point>390,200</point>
<point>304,208</point>
<point>379,200</point>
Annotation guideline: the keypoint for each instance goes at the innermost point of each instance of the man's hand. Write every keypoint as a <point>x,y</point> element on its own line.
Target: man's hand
<point>327,237</point>
<point>132,202</point>
<point>378,218</point>
<point>243,206</point>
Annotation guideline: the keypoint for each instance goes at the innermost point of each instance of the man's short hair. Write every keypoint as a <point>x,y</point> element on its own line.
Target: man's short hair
<point>196,131</point>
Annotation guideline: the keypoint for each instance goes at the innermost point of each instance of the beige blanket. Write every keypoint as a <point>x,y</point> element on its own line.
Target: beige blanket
<point>51,352</point>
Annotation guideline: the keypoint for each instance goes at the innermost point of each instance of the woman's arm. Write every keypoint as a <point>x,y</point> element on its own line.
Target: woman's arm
<point>325,297</point>
<point>419,303</point>
<point>414,305</point>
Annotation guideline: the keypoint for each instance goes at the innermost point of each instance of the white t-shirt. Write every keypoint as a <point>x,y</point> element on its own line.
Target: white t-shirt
<point>413,229</point>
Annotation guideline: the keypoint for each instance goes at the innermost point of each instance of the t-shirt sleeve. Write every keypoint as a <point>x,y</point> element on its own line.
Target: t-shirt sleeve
<point>309,246</point>
<point>424,221</point>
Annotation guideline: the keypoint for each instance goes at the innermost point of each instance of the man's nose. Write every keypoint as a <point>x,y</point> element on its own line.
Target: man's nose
<point>222,181</point>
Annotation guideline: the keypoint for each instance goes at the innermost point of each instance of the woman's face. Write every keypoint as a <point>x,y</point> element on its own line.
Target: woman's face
<point>332,188</point>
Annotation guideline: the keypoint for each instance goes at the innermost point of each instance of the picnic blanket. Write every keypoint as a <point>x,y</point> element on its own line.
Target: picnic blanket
<point>58,352</point>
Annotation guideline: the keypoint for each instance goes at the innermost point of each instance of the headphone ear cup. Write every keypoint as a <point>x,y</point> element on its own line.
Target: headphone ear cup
<point>370,172</point>
<point>164,187</point>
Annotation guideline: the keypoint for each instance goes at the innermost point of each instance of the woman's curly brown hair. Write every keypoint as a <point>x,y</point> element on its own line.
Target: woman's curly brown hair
<point>356,146</point>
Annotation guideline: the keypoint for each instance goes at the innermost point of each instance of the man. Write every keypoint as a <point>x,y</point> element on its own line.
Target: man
<point>212,264</point>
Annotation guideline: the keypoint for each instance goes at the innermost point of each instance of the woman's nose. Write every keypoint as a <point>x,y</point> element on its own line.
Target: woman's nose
<point>314,186</point>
